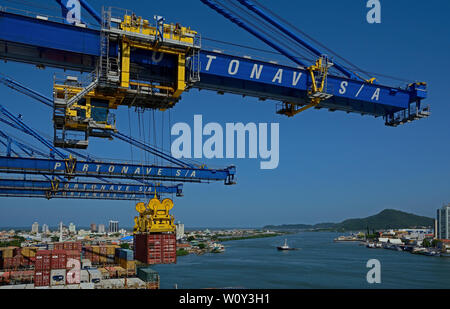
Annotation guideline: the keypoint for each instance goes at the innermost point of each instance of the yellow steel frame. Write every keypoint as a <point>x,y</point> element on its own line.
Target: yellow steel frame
<point>291,109</point>
<point>61,90</point>
<point>142,26</point>
<point>180,85</point>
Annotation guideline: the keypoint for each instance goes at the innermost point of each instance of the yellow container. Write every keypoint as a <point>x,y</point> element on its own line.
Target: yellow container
<point>121,272</point>
<point>8,252</point>
<point>128,265</point>
<point>110,250</point>
<point>29,252</point>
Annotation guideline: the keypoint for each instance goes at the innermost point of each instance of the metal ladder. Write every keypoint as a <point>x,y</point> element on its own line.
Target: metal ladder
<point>108,70</point>
<point>194,75</point>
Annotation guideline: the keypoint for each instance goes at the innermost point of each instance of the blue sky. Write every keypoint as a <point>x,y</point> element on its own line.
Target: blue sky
<point>333,166</point>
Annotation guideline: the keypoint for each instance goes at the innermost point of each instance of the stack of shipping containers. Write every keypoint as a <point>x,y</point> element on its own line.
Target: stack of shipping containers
<point>149,276</point>
<point>100,255</point>
<point>125,258</point>
<point>42,268</point>
<point>6,258</point>
<point>155,248</point>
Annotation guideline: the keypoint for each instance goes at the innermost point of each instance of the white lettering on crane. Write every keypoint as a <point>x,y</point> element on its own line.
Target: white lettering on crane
<point>278,77</point>
<point>233,67</point>
<point>210,59</point>
<point>359,91</point>
<point>376,95</point>
<point>256,71</point>
<point>296,78</point>
<point>343,89</point>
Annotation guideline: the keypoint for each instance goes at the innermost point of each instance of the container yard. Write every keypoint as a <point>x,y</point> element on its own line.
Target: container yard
<point>74,266</point>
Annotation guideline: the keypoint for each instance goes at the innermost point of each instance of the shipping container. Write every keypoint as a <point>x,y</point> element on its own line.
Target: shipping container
<point>147,274</point>
<point>86,264</point>
<point>121,272</point>
<point>73,276</point>
<point>42,278</point>
<point>87,286</point>
<point>59,259</point>
<point>7,252</point>
<point>58,277</point>
<point>155,248</point>
<point>43,260</point>
<point>84,276</point>
<point>29,252</point>
<point>95,276</point>
<point>105,273</point>
<point>125,254</point>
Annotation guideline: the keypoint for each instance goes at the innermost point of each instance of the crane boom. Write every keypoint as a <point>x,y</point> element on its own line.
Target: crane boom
<point>65,46</point>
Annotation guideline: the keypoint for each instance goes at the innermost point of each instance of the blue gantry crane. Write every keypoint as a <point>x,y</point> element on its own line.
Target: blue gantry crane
<point>136,66</point>
<point>57,183</point>
<point>148,63</point>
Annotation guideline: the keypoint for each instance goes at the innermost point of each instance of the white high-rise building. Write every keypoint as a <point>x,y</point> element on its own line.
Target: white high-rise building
<point>113,227</point>
<point>72,228</point>
<point>101,228</point>
<point>35,228</point>
<point>45,229</point>
<point>443,222</point>
<point>180,230</point>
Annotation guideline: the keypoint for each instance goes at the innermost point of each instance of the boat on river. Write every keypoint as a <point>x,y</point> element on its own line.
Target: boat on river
<point>285,247</point>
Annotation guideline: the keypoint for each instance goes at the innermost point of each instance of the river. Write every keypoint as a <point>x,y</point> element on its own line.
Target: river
<point>320,264</point>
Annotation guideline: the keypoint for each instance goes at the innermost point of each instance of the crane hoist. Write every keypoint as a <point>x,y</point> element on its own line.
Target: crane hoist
<point>154,217</point>
<point>317,91</point>
<point>83,107</point>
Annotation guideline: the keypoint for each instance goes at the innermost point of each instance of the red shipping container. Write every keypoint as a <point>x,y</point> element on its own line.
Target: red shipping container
<point>72,255</point>
<point>43,260</point>
<point>155,248</point>
<point>42,278</point>
<point>8,263</point>
<point>58,259</point>
<point>17,261</point>
<point>77,246</point>
<point>95,259</point>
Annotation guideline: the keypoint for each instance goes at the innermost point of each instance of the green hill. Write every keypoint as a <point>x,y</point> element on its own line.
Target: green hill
<point>387,219</point>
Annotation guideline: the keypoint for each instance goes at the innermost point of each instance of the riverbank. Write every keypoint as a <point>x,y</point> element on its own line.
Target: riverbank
<point>252,237</point>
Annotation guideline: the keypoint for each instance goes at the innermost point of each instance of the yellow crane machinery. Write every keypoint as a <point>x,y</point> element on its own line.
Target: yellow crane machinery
<point>83,106</point>
<point>318,90</point>
<point>90,114</point>
<point>154,217</point>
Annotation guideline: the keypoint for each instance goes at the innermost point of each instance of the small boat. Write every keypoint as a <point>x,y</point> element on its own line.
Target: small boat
<point>432,253</point>
<point>371,245</point>
<point>285,247</point>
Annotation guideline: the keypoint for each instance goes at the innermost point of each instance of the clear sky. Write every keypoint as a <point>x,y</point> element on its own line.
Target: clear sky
<point>333,166</point>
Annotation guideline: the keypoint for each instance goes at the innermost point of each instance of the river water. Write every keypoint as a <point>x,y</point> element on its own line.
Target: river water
<point>320,264</point>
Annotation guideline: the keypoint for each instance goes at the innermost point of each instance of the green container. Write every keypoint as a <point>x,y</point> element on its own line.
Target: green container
<point>148,275</point>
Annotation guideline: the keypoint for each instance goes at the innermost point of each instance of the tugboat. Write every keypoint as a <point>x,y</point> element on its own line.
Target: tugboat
<point>285,247</point>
